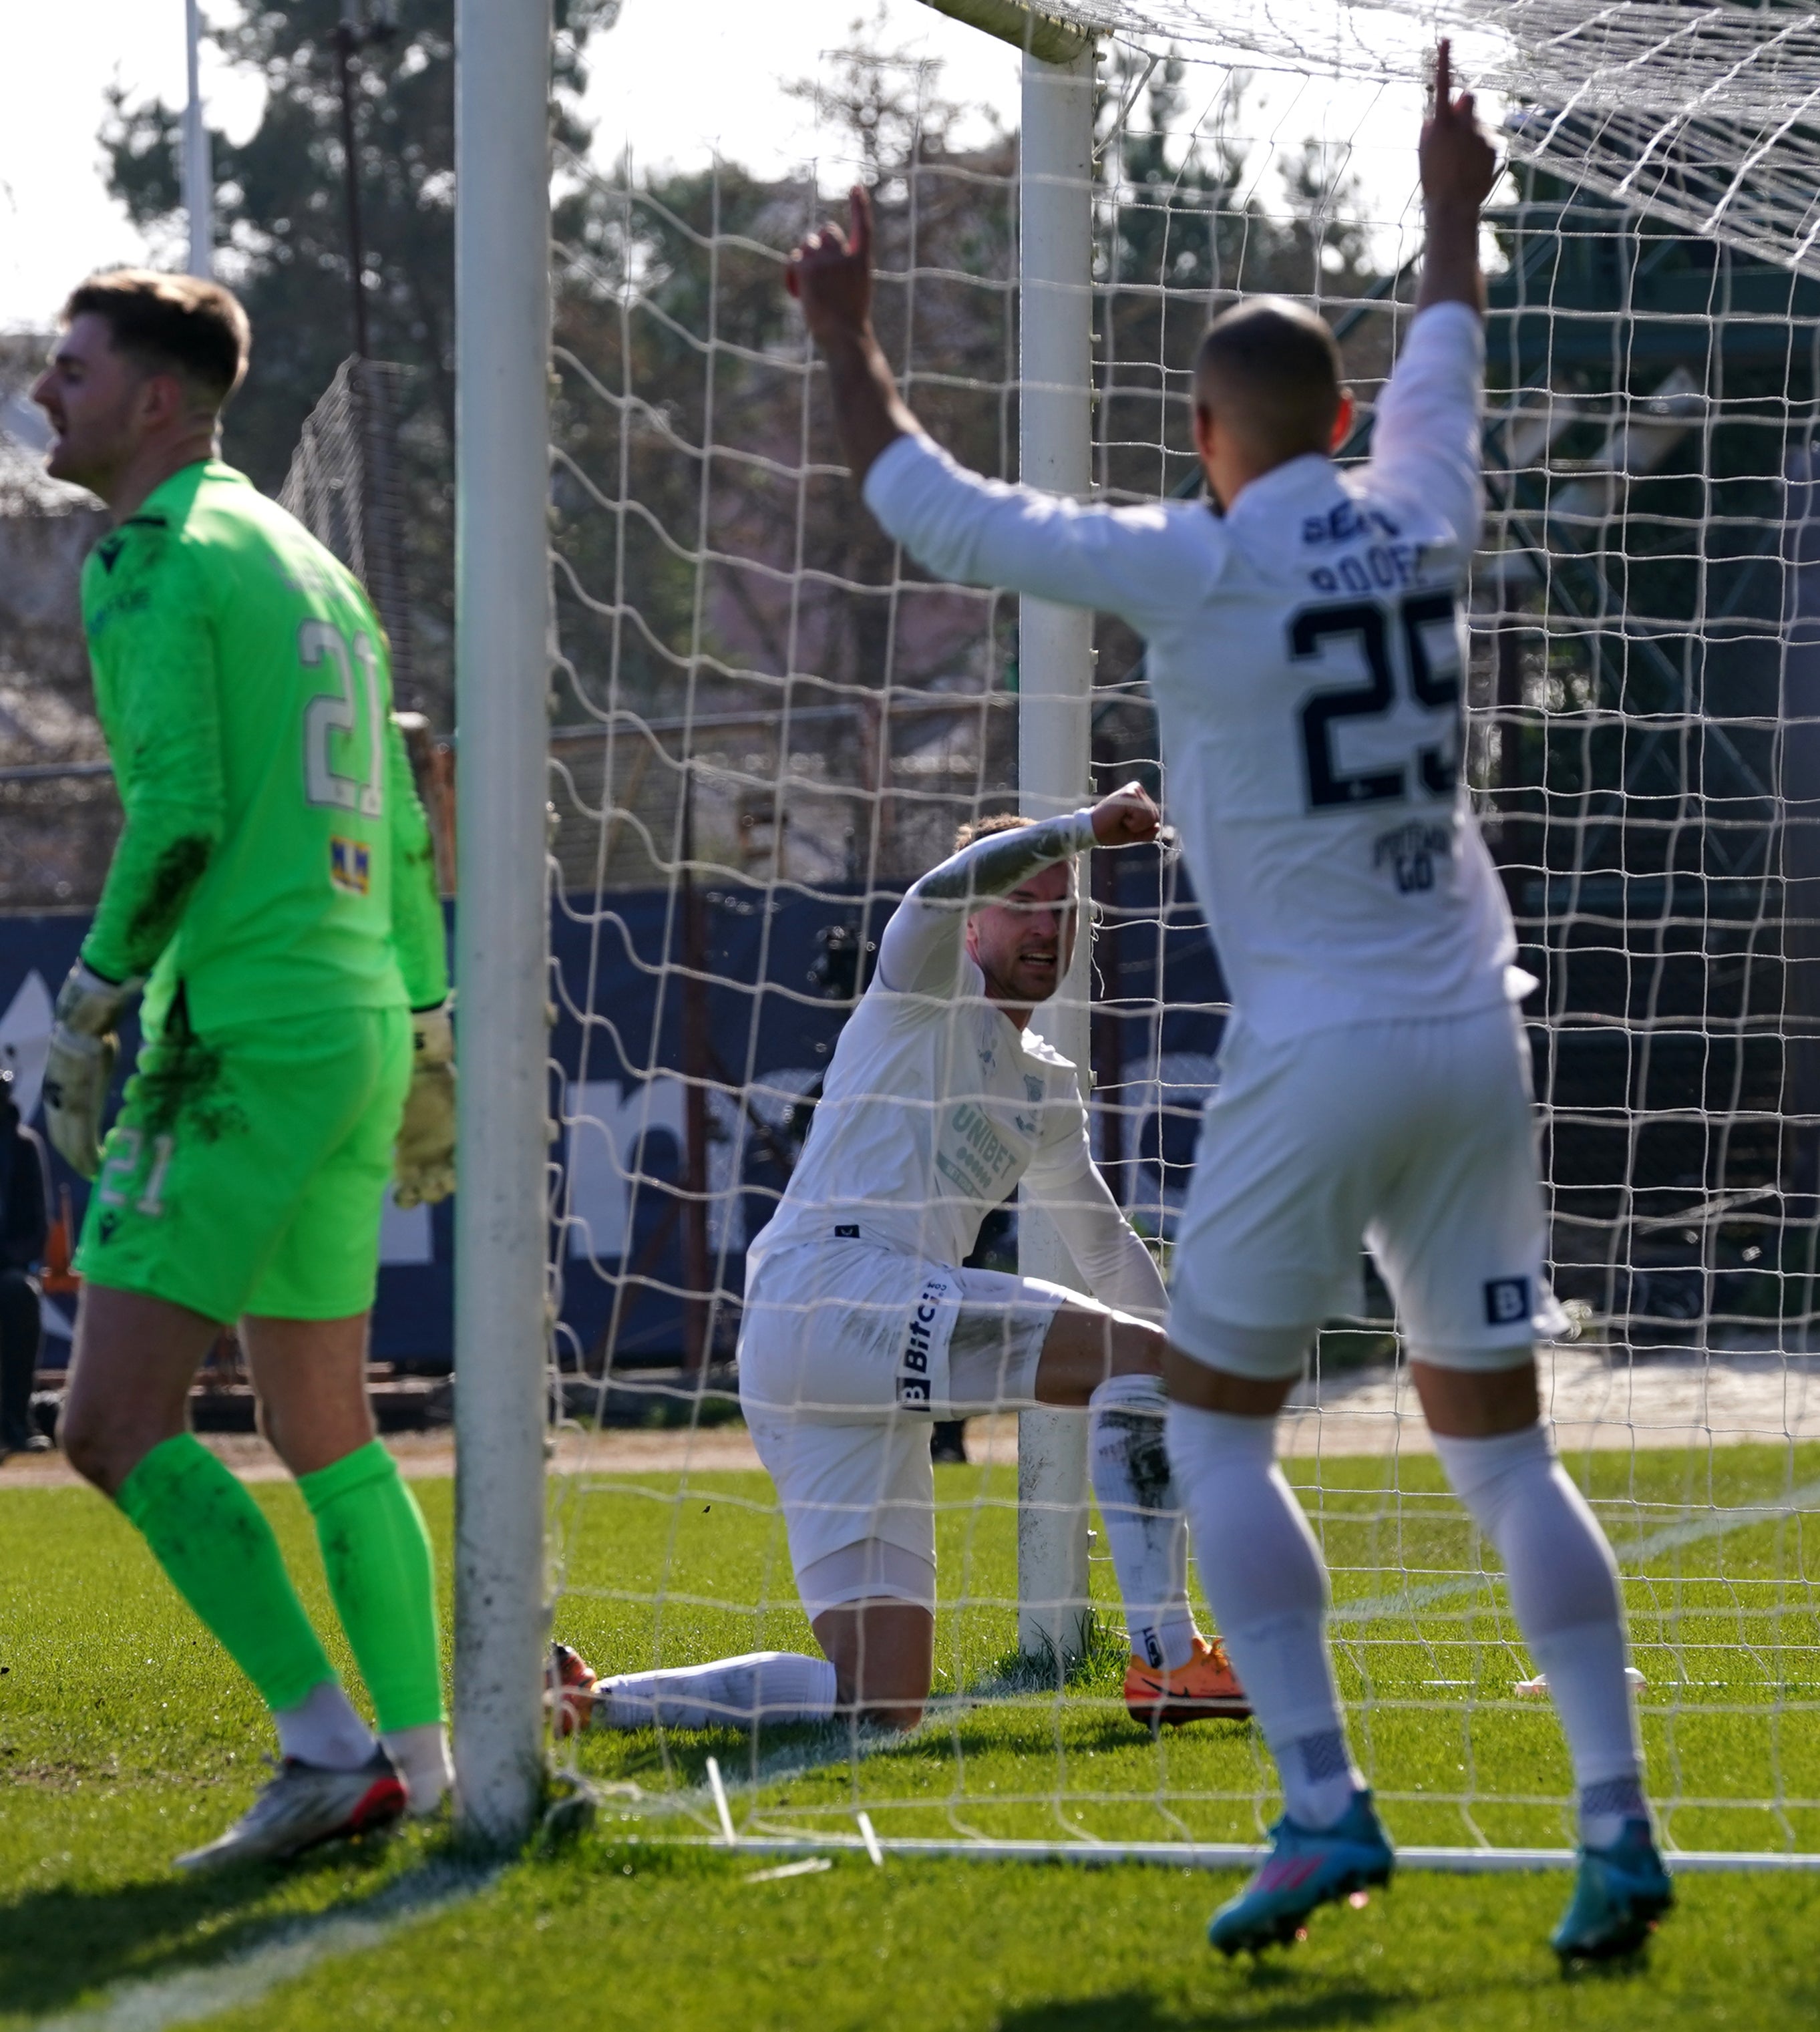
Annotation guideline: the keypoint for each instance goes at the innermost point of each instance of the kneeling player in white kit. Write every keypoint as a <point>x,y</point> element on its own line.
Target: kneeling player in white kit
<point>1305,657</point>
<point>859,1325</point>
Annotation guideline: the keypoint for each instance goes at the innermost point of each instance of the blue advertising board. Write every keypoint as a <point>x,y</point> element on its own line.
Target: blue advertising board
<point>622,976</point>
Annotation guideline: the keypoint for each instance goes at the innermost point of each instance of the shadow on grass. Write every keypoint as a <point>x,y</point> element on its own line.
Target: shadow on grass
<point>1348,2003</point>
<point>63,1941</point>
<point>679,1759</point>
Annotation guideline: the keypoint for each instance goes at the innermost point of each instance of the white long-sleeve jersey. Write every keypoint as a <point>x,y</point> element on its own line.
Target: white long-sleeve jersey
<point>1305,655</point>
<point>937,1106</point>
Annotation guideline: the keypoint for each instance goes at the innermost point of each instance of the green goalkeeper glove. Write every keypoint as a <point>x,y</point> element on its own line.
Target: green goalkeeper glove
<point>424,1170</point>
<point>79,1069</point>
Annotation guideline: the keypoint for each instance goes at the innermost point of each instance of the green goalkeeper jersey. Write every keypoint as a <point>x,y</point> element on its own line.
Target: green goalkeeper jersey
<point>275,859</point>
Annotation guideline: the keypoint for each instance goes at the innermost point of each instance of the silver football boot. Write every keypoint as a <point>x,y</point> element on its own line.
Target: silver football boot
<point>304,1804</point>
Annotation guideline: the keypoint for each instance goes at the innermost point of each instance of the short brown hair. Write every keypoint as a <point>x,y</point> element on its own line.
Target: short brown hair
<point>170,324</point>
<point>1282,363</point>
<point>983,828</point>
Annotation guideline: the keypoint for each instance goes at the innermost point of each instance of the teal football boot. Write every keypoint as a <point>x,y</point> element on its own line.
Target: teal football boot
<point>1305,1867</point>
<point>1621,1892</point>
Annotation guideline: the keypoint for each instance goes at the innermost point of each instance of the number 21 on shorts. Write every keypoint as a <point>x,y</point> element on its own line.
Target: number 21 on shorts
<point>114,1186</point>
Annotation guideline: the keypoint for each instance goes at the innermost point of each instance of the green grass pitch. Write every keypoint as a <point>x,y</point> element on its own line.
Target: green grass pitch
<point>125,1737</point>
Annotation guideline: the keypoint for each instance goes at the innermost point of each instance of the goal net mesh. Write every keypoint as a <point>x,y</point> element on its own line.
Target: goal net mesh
<point>768,720</point>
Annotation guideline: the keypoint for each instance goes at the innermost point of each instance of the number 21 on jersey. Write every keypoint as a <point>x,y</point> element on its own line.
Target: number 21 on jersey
<point>330,713</point>
<point>1404,633</point>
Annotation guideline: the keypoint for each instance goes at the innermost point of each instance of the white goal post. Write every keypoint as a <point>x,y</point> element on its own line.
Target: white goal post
<point>502,625</point>
<point>1054,700</point>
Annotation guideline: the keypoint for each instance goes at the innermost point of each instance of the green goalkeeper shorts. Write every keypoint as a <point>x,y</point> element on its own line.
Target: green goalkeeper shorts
<point>247,1171</point>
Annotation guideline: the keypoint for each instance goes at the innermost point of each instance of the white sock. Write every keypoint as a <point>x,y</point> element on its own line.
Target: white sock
<point>323,1728</point>
<point>1564,1593</point>
<point>1140,1508</point>
<point>767,1686</point>
<point>421,1756</point>
<point>1265,1580</point>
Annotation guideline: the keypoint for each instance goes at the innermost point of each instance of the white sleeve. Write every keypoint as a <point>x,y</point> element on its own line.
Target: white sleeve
<point>1114,1263</point>
<point>1130,562</point>
<point>919,951</point>
<point>1424,445</point>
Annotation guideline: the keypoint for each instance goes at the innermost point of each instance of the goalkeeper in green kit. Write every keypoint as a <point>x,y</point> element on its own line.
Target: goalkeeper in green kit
<point>272,905</point>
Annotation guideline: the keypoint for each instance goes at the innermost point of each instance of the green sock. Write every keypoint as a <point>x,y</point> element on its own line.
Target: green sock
<point>376,1553</point>
<point>213,1540</point>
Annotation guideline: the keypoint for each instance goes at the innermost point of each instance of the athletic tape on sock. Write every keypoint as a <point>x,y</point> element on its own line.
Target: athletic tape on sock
<point>1140,1508</point>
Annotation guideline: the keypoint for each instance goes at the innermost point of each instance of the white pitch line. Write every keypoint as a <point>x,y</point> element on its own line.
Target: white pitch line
<point>809,1866</point>
<point>1244,1855</point>
<point>1715,1524</point>
<point>190,1995</point>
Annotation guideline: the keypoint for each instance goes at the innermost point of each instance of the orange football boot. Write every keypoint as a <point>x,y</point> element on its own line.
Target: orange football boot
<point>570,1689</point>
<point>1205,1688</point>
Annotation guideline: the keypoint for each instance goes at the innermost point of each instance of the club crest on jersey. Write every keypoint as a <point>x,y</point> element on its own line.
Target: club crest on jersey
<point>350,865</point>
<point>1506,1300</point>
<point>916,1359</point>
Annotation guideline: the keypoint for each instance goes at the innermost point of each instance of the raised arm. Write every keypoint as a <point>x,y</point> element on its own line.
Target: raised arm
<point>919,953</point>
<point>1458,167</point>
<point>960,526</point>
<point>1426,446</point>
<point>830,275</point>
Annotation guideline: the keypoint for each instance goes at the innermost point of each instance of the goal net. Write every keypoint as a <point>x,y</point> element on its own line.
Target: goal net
<point>767,722</point>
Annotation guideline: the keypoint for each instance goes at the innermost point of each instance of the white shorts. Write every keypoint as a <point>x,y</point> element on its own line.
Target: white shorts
<point>1417,1138</point>
<point>847,1351</point>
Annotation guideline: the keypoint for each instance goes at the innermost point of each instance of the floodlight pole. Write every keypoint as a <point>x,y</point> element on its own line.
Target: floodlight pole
<point>1055,685</point>
<point>502,621</point>
<point>198,174</point>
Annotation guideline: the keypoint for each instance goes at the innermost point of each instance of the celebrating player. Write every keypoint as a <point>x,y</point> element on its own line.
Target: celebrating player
<point>859,1325</point>
<point>271,902</point>
<point>1305,653</point>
